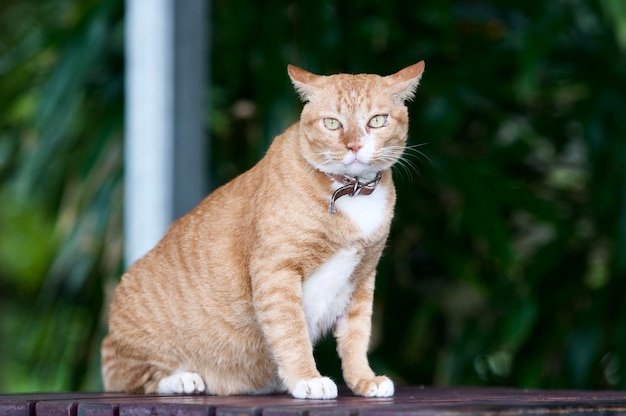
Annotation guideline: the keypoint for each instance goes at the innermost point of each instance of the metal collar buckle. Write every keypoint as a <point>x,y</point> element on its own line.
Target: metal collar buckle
<point>353,185</point>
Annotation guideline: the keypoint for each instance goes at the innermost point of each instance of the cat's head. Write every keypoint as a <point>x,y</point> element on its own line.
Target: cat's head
<point>354,124</point>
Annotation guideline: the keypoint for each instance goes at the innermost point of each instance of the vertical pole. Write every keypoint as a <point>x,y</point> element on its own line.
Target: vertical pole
<point>165,157</point>
<point>149,124</point>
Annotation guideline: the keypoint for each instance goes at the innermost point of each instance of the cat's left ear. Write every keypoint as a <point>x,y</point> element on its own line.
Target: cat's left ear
<point>305,82</point>
<point>404,82</point>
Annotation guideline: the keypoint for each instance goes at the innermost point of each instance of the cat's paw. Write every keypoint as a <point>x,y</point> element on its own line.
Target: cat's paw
<point>181,382</point>
<point>380,386</point>
<point>315,388</point>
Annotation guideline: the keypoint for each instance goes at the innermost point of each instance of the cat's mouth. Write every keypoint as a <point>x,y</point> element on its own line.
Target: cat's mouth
<point>360,169</point>
<point>350,166</point>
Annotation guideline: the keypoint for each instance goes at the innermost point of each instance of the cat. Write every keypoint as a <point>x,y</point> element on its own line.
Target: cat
<point>236,294</point>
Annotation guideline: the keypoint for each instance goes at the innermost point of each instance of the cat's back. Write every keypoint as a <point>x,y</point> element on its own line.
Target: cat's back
<point>206,252</point>
<point>197,269</point>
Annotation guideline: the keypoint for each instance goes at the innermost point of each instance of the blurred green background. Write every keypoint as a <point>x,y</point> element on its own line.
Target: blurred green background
<point>507,259</point>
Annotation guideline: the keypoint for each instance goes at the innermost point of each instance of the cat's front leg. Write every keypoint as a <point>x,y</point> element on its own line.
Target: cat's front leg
<point>277,301</point>
<point>352,331</point>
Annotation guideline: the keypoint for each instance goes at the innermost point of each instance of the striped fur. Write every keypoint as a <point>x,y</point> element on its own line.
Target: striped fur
<point>233,298</point>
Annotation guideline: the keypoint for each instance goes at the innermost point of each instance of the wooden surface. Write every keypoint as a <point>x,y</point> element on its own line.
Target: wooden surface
<point>407,401</point>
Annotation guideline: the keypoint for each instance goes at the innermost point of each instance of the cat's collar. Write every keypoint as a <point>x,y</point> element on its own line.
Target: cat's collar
<point>352,186</point>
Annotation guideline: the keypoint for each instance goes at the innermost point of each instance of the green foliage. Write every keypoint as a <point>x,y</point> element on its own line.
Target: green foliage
<point>507,259</point>
<point>60,184</point>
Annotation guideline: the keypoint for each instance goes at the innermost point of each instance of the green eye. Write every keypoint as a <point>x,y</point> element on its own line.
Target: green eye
<point>332,123</point>
<point>378,121</point>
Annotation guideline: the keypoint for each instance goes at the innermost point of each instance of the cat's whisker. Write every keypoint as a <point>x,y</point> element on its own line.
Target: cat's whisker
<point>310,172</point>
<point>400,155</point>
<point>413,150</point>
<point>324,158</point>
<point>398,165</point>
<point>327,156</point>
<point>409,167</point>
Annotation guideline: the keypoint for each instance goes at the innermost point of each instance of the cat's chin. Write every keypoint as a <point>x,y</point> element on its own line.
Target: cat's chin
<point>359,169</point>
<point>362,175</point>
<point>354,169</point>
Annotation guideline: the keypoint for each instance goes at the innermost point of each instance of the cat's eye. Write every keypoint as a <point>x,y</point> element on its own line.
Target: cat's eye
<point>378,121</point>
<point>332,123</point>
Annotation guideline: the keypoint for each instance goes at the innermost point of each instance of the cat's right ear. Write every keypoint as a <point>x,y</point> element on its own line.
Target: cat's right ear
<point>303,81</point>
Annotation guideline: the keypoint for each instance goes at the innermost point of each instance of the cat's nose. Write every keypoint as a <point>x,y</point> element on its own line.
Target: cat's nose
<point>355,146</point>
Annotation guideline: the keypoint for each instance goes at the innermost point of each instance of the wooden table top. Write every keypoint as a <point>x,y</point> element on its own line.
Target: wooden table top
<point>407,401</point>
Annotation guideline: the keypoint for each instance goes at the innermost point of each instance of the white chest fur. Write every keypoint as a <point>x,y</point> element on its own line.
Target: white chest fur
<point>366,211</point>
<point>326,292</point>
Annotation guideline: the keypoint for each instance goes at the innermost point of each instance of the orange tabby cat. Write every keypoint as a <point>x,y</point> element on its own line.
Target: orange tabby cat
<point>233,298</point>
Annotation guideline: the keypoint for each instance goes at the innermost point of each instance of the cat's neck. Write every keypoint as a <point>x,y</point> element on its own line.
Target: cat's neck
<point>298,176</point>
<point>352,186</point>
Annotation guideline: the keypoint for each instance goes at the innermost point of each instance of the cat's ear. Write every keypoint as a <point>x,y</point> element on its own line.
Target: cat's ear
<point>304,81</point>
<point>404,82</point>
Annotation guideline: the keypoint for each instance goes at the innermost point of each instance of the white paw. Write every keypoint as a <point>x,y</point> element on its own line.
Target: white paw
<point>182,382</point>
<point>315,388</point>
<point>384,389</point>
<point>377,387</point>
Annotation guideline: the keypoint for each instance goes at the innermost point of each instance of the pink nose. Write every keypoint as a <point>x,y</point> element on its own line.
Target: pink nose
<point>354,146</point>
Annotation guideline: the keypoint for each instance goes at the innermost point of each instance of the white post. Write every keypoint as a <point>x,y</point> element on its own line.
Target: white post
<point>156,109</point>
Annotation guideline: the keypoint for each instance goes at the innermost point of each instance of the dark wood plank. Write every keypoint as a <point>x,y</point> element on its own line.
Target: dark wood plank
<point>407,401</point>
<point>165,409</point>
<point>97,409</point>
<point>56,408</point>
<point>14,408</point>
<point>239,411</point>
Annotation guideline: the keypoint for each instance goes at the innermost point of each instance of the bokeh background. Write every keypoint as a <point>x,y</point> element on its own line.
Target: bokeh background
<point>507,259</point>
